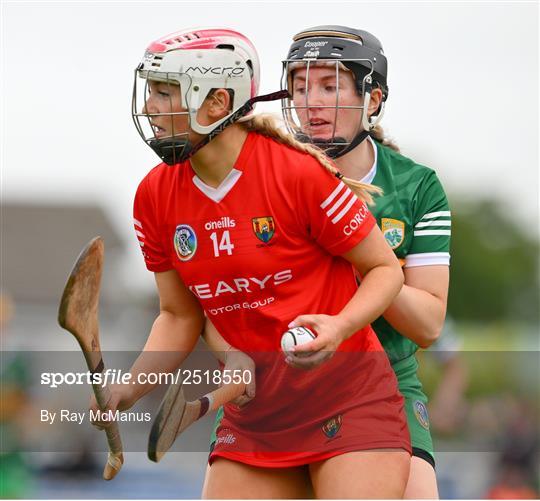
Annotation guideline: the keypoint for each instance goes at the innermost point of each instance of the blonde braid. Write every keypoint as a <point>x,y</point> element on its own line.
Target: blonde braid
<point>378,134</point>
<point>267,125</point>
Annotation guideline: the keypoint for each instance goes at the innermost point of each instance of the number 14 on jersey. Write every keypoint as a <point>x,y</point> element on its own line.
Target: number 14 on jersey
<point>225,244</point>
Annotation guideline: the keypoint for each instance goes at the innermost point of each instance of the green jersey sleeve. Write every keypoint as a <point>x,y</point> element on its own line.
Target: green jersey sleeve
<point>432,224</point>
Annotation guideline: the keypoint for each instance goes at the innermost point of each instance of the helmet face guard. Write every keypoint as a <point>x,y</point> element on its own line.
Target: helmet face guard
<point>195,62</point>
<point>173,147</point>
<point>342,49</point>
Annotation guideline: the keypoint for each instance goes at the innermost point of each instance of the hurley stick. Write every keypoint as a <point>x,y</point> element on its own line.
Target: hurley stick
<point>78,313</point>
<point>175,414</point>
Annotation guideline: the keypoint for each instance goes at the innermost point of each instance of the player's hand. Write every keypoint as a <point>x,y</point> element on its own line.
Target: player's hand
<point>122,398</point>
<point>236,360</point>
<point>331,332</point>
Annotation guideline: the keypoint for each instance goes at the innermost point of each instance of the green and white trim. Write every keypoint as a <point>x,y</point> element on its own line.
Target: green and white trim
<point>434,223</point>
<point>427,259</point>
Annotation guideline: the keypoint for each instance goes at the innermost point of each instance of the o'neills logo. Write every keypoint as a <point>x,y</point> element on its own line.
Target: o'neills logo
<point>224,222</point>
<point>229,438</point>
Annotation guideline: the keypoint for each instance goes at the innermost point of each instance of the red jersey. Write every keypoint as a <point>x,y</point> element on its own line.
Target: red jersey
<point>259,250</point>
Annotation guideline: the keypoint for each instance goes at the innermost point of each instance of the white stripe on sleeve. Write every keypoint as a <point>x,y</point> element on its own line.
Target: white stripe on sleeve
<point>139,234</point>
<point>345,209</point>
<point>339,202</point>
<point>435,222</point>
<point>333,195</point>
<point>427,259</point>
<point>425,233</point>
<point>136,222</point>
<point>431,215</point>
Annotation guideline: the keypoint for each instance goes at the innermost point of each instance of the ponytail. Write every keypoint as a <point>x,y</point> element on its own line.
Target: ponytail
<point>378,134</point>
<point>266,125</point>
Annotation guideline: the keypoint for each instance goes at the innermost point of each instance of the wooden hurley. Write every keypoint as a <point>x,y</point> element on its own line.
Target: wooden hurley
<point>175,414</point>
<point>78,314</point>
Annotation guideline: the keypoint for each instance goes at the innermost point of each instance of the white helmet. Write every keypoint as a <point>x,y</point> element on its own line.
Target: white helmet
<point>198,60</point>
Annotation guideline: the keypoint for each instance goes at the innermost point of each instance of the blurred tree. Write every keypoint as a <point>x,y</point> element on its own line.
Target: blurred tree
<point>494,268</point>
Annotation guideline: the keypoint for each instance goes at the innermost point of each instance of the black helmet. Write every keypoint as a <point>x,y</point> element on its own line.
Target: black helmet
<point>360,52</point>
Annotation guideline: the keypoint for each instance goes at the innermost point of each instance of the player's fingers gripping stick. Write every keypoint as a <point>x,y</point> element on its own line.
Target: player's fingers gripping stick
<point>101,421</point>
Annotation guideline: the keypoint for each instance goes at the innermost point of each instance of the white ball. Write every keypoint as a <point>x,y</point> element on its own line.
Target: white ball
<point>295,337</point>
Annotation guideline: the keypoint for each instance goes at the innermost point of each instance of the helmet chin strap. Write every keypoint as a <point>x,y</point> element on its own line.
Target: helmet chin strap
<point>336,147</point>
<point>167,150</point>
<point>170,149</point>
<point>340,151</point>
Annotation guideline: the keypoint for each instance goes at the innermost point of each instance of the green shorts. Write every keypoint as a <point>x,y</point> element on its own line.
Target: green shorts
<point>415,408</point>
<point>217,422</point>
<point>415,405</point>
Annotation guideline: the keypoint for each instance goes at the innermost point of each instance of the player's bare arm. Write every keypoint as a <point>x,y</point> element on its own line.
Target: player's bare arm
<point>175,332</point>
<point>232,359</point>
<point>419,310</point>
<point>382,281</point>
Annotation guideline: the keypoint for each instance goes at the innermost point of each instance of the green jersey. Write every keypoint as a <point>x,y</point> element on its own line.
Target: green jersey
<point>414,216</point>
